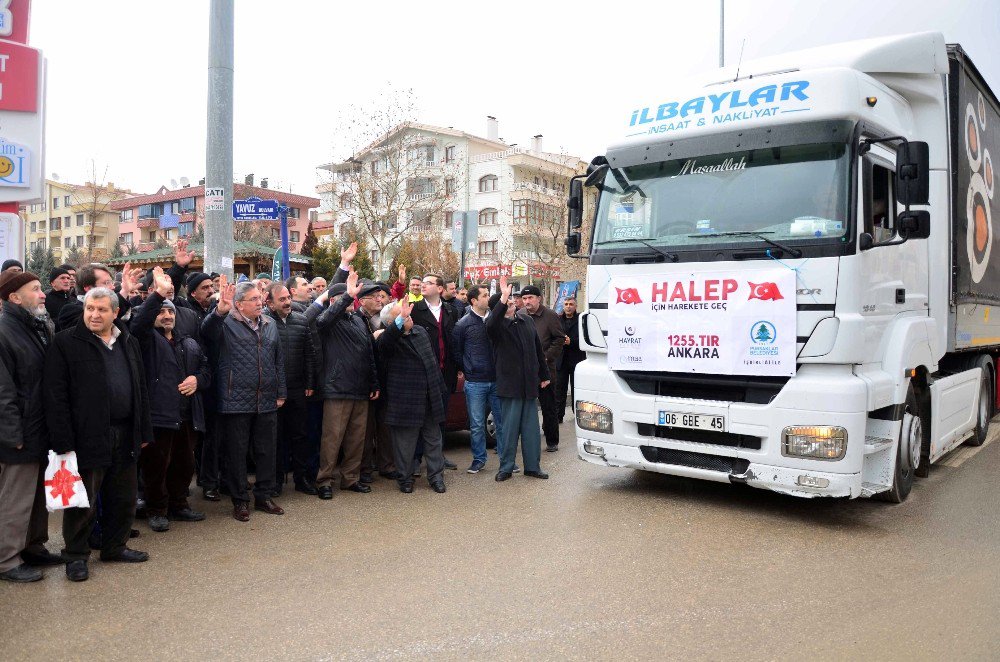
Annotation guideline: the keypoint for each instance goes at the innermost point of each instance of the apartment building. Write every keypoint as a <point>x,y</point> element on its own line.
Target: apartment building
<point>171,214</point>
<point>518,192</point>
<point>71,216</point>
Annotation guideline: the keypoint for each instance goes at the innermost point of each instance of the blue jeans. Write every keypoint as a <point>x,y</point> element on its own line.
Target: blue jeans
<point>477,396</point>
<point>521,420</point>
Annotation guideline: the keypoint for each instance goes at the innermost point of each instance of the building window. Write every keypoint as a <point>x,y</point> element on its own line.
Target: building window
<point>57,223</point>
<point>449,219</point>
<point>346,201</point>
<point>150,211</point>
<point>152,236</point>
<point>68,242</point>
<point>125,238</point>
<point>276,233</point>
<point>186,205</point>
<point>449,154</point>
<point>531,212</point>
<point>293,212</point>
<point>66,201</point>
<point>41,226</point>
<point>79,220</point>
<point>33,208</point>
<point>373,256</point>
<point>422,219</point>
<point>185,229</point>
<point>168,234</point>
<point>294,237</point>
<point>34,227</point>
<point>487,249</point>
<point>391,221</point>
<point>42,244</point>
<point>488,217</point>
<point>44,205</point>
<point>126,215</point>
<point>79,241</point>
<point>55,203</point>
<point>422,156</point>
<point>449,186</point>
<point>487,183</point>
<point>376,198</point>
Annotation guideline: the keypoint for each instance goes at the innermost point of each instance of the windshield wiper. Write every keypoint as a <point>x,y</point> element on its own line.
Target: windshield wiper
<point>794,252</point>
<point>670,256</point>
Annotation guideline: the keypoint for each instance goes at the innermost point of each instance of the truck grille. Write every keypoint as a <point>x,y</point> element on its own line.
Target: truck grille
<point>729,465</point>
<point>722,388</point>
<point>700,436</point>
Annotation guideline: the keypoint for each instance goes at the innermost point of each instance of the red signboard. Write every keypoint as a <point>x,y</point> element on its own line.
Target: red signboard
<point>14,19</point>
<point>18,77</point>
<point>483,274</point>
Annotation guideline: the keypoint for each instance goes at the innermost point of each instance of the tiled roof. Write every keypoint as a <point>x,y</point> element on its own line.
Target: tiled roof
<point>240,249</point>
<point>240,191</point>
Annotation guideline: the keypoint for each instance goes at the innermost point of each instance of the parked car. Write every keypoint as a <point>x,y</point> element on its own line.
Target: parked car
<point>457,416</point>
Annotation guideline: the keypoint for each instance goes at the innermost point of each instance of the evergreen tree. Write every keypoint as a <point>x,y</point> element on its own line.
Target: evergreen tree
<point>74,256</point>
<point>310,242</point>
<point>40,262</point>
<point>325,260</point>
<point>763,335</point>
<point>116,250</point>
<point>363,260</point>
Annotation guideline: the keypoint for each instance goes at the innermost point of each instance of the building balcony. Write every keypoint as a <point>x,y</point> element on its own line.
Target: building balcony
<point>147,223</point>
<point>145,246</point>
<point>419,195</point>
<point>532,187</point>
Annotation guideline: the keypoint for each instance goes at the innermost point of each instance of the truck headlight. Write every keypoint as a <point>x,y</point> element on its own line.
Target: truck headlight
<point>821,442</point>
<point>594,417</point>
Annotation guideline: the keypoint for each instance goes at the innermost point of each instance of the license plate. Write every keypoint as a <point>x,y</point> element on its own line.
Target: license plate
<point>693,421</point>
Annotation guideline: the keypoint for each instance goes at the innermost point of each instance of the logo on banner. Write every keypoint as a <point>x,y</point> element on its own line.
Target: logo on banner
<point>763,333</point>
<point>764,291</point>
<point>629,295</point>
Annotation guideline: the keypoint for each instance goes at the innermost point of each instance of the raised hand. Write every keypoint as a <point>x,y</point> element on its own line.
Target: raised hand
<point>347,255</point>
<point>182,256</point>
<point>405,307</point>
<point>161,282</point>
<point>353,286</point>
<point>226,294</point>
<point>505,290</point>
<point>402,273</point>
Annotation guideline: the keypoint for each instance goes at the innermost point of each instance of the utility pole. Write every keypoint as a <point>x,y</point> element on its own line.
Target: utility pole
<point>722,33</point>
<point>219,167</point>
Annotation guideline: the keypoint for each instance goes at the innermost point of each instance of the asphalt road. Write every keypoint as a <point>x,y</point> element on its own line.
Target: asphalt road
<point>592,564</point>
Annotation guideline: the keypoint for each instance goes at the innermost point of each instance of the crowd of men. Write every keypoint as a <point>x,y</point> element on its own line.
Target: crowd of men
<point>155,377</point>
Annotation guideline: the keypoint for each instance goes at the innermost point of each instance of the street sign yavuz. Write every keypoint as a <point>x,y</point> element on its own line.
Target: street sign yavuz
<point>255,209</point>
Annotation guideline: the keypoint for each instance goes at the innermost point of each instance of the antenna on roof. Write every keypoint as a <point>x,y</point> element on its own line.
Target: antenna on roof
<point>185,181</point>
<point>173,183</point>
<point>740,61</point>
<point>55,176</point>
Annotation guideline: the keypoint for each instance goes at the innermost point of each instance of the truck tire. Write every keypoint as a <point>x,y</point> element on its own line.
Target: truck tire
<point>910,445</point>
<point>984,411</point>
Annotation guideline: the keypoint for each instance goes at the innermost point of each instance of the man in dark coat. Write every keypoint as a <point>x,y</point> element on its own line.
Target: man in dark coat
<point>25,336</point>
<point>521,373</point>
<point>176,374</point>
<point>551,335</point>
<point>378,454</point>
<point>98,275</point>
<point>413,409</point>
<point>571,355</point>
<point>350,382</point>
<point>96,404</point>
<point>60,292</point>
<point>250,388</point>
<point>293,450</point>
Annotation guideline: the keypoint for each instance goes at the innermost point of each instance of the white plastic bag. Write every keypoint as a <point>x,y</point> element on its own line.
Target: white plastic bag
<point>63,485</point>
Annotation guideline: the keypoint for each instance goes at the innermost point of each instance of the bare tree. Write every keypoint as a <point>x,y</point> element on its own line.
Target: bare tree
<point>94,199</point>
<point>395,181</point>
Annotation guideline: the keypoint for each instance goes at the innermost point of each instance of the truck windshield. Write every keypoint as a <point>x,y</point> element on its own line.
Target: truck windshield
<point>785,194</point>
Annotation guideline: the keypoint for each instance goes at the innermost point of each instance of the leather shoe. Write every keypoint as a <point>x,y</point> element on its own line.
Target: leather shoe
<point>448,464</point>
<point>241,511</point>
<point>210,494</point>
<point>503,475</point>
<point>536,474</point>
<point>358,487</point>
<point>438,486</point>
<point>325,492</point>
<point>22,574</point>
<point>306,488</point>
<point>551,449</point>
<point>159,523</point>
<point>406,488</point>
<point>76,571</point>
<point>366,477</point>
<point>185,515</point>
<point>269,507</point>
<point>43,558</point>
<point>127,556</point>
<point>277,490</point>
<point>391,475</point>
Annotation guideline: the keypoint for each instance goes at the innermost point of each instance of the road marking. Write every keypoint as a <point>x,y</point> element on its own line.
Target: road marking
<point>957,457</point>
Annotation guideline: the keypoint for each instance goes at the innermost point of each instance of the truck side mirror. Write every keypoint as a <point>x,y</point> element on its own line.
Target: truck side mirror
<point>914,224</point>
<point>573,243</point>
<point>913,173</point>
<point>575,204</point>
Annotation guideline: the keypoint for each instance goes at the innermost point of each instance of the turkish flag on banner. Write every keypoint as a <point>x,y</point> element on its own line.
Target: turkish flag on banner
<point>63,485</point>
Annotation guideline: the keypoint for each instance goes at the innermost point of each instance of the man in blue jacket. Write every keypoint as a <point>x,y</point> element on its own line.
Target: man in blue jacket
<point>474,352</point>
<point>250,387</point>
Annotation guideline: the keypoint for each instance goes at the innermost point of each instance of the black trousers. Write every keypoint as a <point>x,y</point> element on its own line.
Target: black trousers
<point>209,468</point>
<point>293,449</point>
<point>253,433</point>
<point>550,416</point>
<point>314,433</point>
<point>117,486</point>
<point>566,380</point>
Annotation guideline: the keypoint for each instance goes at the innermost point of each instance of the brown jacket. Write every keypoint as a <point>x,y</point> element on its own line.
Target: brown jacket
<point>550,333</point>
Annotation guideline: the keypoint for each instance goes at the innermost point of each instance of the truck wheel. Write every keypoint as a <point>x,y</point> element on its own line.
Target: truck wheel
<point>911,435</point>
<point>984,411</point>
<point>491,430</point>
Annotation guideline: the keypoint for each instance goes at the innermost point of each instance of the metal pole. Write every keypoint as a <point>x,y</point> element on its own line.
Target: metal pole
<point>286,269</point>
<point>465,230</point>
<point>722,33</point>
<point>219,168</point>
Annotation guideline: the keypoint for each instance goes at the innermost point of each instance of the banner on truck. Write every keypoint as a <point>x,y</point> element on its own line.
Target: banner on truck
<point>711,322</point>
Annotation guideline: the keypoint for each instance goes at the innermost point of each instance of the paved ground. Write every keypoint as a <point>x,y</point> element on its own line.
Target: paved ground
<point>592,564</point>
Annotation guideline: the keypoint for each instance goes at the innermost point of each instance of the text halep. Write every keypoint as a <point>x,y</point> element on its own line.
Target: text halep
<point>710,290</point>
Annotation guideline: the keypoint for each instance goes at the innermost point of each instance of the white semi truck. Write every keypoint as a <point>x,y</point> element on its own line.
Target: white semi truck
<point>791,281</point>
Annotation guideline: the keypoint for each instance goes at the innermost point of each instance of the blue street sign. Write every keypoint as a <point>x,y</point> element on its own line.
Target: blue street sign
<point>255,209</point>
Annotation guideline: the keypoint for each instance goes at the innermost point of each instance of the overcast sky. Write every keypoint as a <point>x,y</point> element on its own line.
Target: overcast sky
<point>127,83</point>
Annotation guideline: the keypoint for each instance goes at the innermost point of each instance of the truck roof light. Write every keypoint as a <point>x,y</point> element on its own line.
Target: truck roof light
<point>871,101</point>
